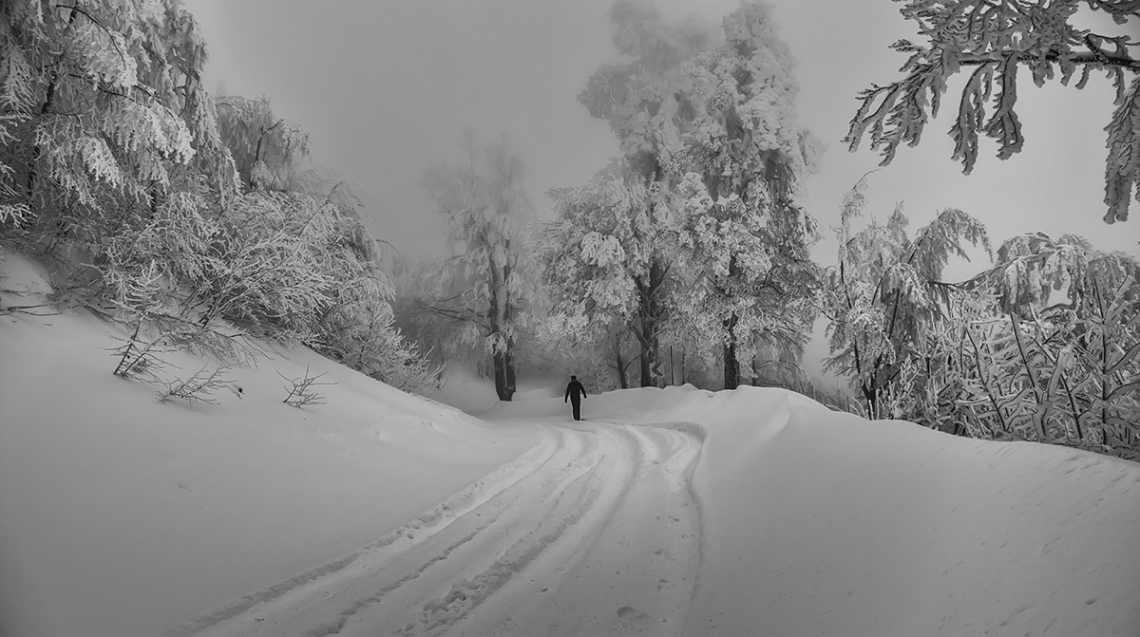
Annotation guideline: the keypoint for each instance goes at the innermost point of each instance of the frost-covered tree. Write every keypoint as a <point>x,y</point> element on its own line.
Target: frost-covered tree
<point>486,208</point>
<point>1043,346</point>
<point>994,39</point>
<point>280,266</point>
<point>745,157</point>
<point>643,99</point>
<point>111,160</point>
<point>606,262</point>
<point>1054,354</point>
<point>99,101</point>
<point>886,300</point>
<point>267,150</point>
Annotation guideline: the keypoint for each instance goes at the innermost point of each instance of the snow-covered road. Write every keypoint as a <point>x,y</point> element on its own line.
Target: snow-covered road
<point>593,531</point>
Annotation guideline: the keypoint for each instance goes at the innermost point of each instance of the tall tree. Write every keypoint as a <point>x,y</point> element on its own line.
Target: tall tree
<point>486,209</point>
<point>996,38</point>
<point>745,156</point>
<point>643,101</point>
<point>604,264</point>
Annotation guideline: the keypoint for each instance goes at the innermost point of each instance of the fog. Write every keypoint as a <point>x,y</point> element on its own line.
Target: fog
<point>386,88</point>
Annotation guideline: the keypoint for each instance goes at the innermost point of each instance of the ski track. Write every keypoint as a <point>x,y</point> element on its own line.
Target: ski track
<point>592,531</point>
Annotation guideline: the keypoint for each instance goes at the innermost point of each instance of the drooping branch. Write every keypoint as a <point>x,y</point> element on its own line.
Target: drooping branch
<point>997,37</point>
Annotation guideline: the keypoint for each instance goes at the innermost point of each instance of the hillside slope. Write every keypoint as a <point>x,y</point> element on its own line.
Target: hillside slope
<point>122,515</point>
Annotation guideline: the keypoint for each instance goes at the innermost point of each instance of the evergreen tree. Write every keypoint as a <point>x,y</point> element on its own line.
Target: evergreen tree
<point>996,39</point>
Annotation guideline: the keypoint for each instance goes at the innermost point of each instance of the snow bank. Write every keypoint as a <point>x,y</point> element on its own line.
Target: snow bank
<point>822,523</point>
<point>819,523</point>
<point>121,515</point>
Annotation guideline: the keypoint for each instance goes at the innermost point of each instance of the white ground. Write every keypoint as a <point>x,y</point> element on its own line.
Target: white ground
<point>666,512</point>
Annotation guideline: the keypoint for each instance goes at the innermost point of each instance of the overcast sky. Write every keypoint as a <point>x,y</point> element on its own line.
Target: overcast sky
<point>385,88</point>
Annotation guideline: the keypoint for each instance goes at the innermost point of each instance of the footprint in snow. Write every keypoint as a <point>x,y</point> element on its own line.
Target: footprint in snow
<point>633,619</point>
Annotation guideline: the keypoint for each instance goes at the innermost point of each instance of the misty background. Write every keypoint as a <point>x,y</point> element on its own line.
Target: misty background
<point>386,88</point>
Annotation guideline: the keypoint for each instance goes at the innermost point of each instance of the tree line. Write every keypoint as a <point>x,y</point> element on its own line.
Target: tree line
<point>194,220</point>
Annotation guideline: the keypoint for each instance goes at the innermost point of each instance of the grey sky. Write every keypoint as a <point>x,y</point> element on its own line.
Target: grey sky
<point>385,88</point>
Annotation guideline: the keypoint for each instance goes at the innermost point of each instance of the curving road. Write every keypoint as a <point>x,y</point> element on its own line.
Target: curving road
<point>592,532</point>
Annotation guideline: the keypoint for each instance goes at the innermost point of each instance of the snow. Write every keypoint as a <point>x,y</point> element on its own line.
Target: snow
<point>675,511</point>
<point>121,515</point>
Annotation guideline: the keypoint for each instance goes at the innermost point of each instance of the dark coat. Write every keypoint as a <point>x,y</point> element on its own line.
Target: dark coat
<point>575,391</point>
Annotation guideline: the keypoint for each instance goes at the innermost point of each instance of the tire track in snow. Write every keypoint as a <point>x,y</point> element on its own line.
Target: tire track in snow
<point>402,538</point>
<point>593,531</point>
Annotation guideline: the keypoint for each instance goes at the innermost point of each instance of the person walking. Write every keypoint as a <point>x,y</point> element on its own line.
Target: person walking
<point>575,392</point>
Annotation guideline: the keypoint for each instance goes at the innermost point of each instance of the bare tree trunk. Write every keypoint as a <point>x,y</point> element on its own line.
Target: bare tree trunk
<point>648,352</point>
<point>504,375</point>
<point>623,382</point>
<point>501,356</point>
<point>650,313</point>
<point>682,366</point>
<point>731,365</point>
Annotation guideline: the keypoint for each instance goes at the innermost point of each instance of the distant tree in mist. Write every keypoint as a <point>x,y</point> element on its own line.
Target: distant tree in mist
<point>484,285</point>
<point>701,202</point>
<point>995,40</point>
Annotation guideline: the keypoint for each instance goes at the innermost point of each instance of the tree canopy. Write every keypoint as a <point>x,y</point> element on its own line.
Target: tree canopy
<point>97,98</point>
